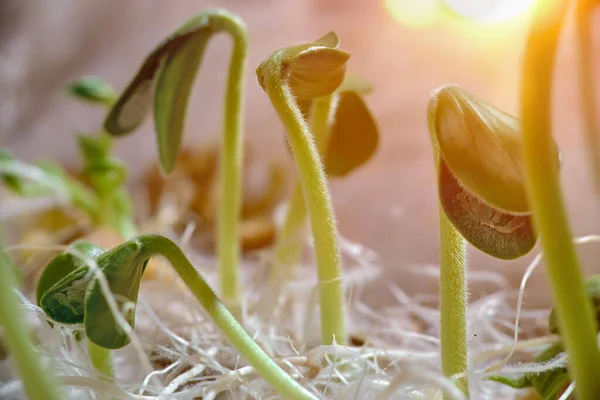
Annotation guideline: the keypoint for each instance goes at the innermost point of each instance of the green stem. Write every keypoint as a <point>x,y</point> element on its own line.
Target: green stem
<point>453,302</point>
<point>586,86</point>
<point>228,246</point>
<point>291,240</point>
<point>574,310</point>
<point>101,359</point>
<point>230,327</point>
<point>318,203</point>
<point>38,383</point>
<point>453,286</point>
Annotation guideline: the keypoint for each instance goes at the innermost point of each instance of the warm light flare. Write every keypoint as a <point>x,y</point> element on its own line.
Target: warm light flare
<point>423,13</point>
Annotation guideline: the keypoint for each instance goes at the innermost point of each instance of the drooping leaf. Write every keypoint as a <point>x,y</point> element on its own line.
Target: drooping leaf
<point>499,234</point>
<point>93,89</point>
<point>482,147</point>
<point>61,289</point>
<point>134,103</point>
<point>353,137</point>
<point>312,70</point>
<point>592,289</point>
<point>123,267</point>
<point>172,94</point>
<point>172,68</point>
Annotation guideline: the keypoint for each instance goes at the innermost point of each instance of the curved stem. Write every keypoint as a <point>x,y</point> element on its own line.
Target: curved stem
<point>318,203</point>
<point>291,240</point>
<point>230,327</point>
<point>101,359</point>
<point>231,163</point>
<point>453,302</point>
<point>574,310</point>
<point>586,86</point>
<point>37,382</point>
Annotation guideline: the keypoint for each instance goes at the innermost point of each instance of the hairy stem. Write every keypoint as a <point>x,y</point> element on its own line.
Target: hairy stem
<point>574,311</point>
<point>228,247</point>
<point>453,302</point>
<point>37,382</point>
<point>453,286</point>
<point>291,240</point>
<point>239,338</point>
<point>318,203</point>
<point>586,86</point>
<point>101,359</point>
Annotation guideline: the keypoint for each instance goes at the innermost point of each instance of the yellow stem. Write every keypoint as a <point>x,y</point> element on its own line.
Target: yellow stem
<point>228,246</point>
<point>318,203</point>
<point>292,240</point>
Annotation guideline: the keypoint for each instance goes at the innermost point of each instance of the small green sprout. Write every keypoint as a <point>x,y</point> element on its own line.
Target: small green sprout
<point>37,382</point>
<point>478,155</point>
<point>346,136</point>
<point>93,90</point>
<point>70,293</point>
<point>551,384</point>
<point>306,72</point>
<point>167,75</point>
<point>573,310</point>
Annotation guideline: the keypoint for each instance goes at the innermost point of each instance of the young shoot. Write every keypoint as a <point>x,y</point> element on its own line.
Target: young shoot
<point>37,382</point>
<point>70,293</point>
<point>551,384</point>
<point>346,136</point>
<point>167,75</point>
<point>306,72</point>
<point>573,310</point>
<point>481,188</point>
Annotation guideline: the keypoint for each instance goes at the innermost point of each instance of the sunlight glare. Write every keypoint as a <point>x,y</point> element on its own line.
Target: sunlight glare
<point>414,13</point>
<point>491,11</point>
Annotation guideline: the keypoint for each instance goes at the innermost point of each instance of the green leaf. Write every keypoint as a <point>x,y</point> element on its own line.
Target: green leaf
<point>61,289</point>
<point>123,267</point>
<point>172,94</point>
<point>549,384</point>
<point>134,103</point>
<point>93,89</point>
<point>170,70</point>
<point>592,289</point>
<point>353,136</point>
<point>520,382</point>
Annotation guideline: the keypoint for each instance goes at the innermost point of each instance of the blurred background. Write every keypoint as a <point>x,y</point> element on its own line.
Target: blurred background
<point>406,48</point>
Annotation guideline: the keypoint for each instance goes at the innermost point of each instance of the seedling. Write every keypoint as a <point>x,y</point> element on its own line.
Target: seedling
<point>306,72</point>
<point>573,310</point>
<point>38,384</point>
<point>100,191</point>
<point>478,155</point>
<point>167,75</point>
<point>551,384</point>
<point>346,136</point>
<point>71,293</point>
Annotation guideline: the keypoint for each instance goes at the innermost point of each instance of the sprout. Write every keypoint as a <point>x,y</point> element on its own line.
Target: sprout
<point>309,71</point>
<point>167,75</point>
<point>347,136</point>
<point>71,294</point>
<point>481,188</point>
<point>93,90</point>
